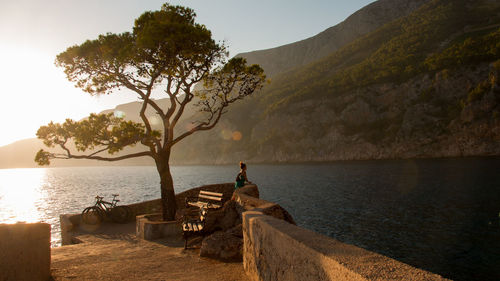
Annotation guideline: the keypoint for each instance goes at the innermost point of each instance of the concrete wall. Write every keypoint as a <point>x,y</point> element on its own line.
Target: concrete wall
<point>25,251</point>
<point>277,250</point>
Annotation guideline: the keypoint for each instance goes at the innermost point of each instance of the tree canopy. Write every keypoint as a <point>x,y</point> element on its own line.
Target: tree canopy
<point>166,51</point>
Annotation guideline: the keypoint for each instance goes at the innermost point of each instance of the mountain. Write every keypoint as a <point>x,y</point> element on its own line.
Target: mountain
<point>21,154</point>
<point>284,58</point>
<point>422,81</point>
<point>423,85</point>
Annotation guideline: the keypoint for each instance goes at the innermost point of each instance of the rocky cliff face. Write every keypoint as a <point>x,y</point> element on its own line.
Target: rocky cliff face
<point>390,121</point>
<point>427,116</point>
<point>284,58</point>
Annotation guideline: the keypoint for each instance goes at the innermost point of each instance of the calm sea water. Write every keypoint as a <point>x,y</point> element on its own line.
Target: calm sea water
<point>441,215</point>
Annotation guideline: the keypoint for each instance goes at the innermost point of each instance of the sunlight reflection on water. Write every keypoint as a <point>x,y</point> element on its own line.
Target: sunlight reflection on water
<point>22,195</point>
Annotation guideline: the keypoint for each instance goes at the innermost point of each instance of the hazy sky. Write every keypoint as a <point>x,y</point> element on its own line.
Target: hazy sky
<point>34,92</point>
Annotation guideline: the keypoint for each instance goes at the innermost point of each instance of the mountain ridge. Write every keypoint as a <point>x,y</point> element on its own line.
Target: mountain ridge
<point>286,57</point>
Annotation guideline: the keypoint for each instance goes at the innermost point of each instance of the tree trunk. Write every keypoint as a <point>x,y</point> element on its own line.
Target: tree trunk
<point>168,203</point>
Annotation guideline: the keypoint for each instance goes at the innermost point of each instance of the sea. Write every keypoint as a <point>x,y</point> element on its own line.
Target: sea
<point>441,215</point>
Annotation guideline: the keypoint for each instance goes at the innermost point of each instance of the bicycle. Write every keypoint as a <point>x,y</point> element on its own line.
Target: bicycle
<point>103,209</point>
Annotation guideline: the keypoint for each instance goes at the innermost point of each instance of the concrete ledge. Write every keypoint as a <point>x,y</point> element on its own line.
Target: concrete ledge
<point>151,227</point>
<point>277,250</point>
<point>25,251</point>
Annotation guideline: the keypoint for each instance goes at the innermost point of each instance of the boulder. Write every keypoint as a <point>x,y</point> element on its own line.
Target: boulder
<point>250,190</point>
<point>223,246</point>
<point>275,210</point>
<point>236,231</point>
<point>225,218</point>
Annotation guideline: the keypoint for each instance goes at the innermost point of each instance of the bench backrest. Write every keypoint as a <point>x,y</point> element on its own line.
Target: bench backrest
<point>208,195</point>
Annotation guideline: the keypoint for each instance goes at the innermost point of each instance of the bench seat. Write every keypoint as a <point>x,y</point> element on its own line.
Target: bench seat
<point>205,199</point>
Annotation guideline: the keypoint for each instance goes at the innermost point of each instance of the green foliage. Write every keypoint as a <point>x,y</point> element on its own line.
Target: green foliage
<point>478,92</point>
<point>90,64</point>
<point>99,130</point>
<point>171,36</point>
<point>470,51</point>
<point>163,44</point>
<point>229,83</point>
<point>43,158</point>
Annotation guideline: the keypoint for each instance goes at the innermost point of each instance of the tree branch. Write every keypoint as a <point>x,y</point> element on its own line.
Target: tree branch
<point>201,127</point>
<point>110,159</point>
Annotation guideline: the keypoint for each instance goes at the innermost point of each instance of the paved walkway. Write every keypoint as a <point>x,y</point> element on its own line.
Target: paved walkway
<point>119,255</point>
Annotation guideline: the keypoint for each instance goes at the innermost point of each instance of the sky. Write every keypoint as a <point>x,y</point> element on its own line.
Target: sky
<point>33,91</point>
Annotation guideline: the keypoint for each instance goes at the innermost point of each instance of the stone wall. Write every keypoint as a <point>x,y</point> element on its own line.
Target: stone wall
<point>277,250</point>
<point>25,251</point>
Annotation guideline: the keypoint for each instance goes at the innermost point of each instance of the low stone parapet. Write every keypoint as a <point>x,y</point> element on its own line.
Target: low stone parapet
<point>152,227</point>
<point>25,251</point>
<point>276,250</point>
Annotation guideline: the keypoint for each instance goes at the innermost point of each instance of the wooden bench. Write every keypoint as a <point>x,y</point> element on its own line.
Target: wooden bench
<point>205,199</point>
<point>194,225</point>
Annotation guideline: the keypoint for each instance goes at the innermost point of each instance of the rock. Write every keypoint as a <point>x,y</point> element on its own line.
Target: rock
<point>223,246</point>
<point>278,212</point>
<point>236,231</point>
<point>250,190</point>
<point>225,218</point>
<point>358,113</point>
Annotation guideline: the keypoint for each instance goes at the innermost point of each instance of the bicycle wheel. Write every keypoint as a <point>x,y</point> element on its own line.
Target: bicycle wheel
<point>119,214</point>
<point>91,215</point>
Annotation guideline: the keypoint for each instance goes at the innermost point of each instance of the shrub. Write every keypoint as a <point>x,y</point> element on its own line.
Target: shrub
<point>478,92</point>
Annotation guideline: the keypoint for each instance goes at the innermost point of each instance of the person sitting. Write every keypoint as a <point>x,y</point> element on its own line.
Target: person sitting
<point>241,178</point>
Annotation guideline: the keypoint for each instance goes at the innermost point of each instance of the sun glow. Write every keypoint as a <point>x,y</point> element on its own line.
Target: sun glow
<point>29,80</point>
<point>33,92</point>
<point>21,195</point>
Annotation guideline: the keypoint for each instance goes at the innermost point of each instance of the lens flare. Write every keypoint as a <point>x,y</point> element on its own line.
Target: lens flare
<point>119,114</point>
<point>237,135</point>
<point>154,120</point>
<point>226,134</point>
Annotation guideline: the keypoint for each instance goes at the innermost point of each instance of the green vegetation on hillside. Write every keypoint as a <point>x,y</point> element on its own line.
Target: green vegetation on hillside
<point>471,50</point>
<point>428,40</point>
